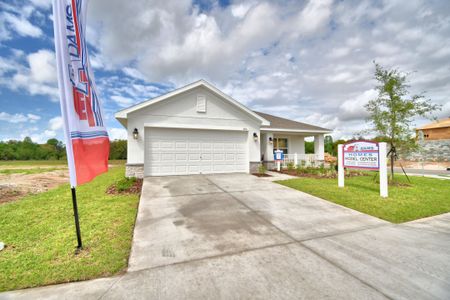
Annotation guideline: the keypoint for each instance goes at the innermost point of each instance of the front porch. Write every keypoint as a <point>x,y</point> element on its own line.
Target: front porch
<point>293,146</point>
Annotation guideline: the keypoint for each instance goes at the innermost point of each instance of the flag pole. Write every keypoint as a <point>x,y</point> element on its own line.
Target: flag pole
<point>77,222</point>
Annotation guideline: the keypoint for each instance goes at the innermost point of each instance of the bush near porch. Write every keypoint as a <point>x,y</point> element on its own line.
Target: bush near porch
<point>40,239</point>
<point>424,197</point>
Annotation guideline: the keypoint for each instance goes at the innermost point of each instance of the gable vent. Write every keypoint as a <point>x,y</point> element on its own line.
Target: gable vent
<point>201,103</point>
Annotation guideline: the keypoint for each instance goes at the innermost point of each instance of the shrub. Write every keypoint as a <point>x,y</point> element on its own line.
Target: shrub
<point>125,183</point>
<point>303,163</point>
<point>290,166</point>
<point>262,169</point>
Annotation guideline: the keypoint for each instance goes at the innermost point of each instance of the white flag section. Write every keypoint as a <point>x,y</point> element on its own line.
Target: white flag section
<point>87,140</point>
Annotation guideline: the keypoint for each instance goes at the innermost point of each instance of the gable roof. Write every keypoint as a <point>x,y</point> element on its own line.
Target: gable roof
<point>289,125</point>
<point>122,114</point>
<point>438,124</point>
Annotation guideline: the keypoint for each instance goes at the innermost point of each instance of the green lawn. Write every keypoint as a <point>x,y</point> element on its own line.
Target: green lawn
<point>40,235</point>
<point>426,197</point>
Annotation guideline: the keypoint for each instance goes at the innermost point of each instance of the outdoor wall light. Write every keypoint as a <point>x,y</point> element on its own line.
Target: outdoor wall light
<point>255,136</point>
<point>135,134</point>
<point>270,140</point>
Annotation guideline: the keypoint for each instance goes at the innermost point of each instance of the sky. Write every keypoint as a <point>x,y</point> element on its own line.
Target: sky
<point>311,61</point>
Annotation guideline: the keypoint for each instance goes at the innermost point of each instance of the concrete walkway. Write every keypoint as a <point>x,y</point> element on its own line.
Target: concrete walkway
<point>239,236</point>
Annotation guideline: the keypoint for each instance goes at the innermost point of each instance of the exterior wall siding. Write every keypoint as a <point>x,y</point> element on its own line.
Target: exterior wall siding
<point>181,111</point>
<point>431,150</point>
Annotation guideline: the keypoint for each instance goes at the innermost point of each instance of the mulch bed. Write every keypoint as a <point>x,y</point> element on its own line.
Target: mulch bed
<point>320,176</point>
<point>261,175</point>
<point>136,188</point>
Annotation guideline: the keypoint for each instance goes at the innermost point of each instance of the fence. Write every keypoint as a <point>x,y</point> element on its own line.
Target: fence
<point>297,159</point>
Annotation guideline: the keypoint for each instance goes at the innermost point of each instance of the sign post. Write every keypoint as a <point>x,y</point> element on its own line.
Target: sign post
<point>364,155</point>
<point>340,166</point>
<point>279,156</point>
<point>383,170</point>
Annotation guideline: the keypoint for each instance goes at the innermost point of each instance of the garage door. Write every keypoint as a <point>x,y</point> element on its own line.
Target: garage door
<point>188,151</point>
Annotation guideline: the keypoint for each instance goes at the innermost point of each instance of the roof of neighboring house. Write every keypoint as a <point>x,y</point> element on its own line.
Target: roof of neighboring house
<point>437,124</point>
<point>286,124</point>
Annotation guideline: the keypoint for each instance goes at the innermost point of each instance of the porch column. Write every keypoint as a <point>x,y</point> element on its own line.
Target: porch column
<point>268,153</point>
<point>319,146</point>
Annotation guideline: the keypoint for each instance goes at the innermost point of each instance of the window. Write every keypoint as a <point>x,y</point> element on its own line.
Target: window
<point>280,144</point>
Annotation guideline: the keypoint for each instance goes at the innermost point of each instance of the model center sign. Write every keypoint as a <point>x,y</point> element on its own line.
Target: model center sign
<point>361,155</point>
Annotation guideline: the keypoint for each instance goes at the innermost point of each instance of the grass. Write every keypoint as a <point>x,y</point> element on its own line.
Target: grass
<point>424,198</point>
<point>40,236</point>
<point>28,171</point>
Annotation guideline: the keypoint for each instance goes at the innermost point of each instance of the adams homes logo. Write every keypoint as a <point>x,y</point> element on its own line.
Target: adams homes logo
<point>85,99</point>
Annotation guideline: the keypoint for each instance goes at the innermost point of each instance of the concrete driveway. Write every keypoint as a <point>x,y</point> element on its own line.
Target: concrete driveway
<point>239,236</point>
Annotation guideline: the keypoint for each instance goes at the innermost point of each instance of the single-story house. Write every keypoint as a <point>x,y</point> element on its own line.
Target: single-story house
<point>197,129</point>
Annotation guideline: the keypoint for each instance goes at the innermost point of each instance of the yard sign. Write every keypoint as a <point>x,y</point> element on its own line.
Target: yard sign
<point>361,155</point>
<point>365,155</point>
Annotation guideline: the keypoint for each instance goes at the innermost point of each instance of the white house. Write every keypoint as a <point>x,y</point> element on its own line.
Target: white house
<point>197,129</point>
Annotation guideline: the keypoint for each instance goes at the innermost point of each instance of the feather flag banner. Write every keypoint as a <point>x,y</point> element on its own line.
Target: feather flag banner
<point>87,141</point>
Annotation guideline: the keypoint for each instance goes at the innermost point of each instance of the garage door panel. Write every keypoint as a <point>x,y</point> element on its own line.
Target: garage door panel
<point>183,151</point>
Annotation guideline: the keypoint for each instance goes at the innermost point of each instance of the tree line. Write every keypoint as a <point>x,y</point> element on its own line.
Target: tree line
<point>53,149</point>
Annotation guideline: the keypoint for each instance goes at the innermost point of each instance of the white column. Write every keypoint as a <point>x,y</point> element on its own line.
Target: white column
<point>383,170</point>
<point>268,154</point>
<point>295,159</point>
<point>319,147</point>
<point>340,166</point>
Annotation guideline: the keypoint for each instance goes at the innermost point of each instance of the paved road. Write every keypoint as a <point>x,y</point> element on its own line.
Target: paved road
<point>238,236</point>
<point>419,171</point>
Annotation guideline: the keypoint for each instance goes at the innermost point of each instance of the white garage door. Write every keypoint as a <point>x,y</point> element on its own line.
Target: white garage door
<point>188,151</point>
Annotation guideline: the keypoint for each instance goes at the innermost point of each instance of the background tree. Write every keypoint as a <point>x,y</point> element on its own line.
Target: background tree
<point>393,111</point>
<point>328,141</point>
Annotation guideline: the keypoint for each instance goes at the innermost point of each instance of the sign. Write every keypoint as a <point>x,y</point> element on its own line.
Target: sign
<point>279,155</point>
<point>364,155</point>
<point>361,155</point>
<point>87,141</point>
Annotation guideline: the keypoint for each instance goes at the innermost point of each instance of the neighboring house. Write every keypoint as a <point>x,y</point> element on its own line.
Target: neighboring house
<point>197,129</point>
<point>435,145</point>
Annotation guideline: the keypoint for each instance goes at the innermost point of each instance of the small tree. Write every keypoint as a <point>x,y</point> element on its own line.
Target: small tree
<point>392,113</point>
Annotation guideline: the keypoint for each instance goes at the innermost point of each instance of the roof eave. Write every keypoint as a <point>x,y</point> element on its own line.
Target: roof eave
<point>293,130</point>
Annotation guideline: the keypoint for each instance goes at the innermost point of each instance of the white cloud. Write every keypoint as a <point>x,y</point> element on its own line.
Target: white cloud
<point>35,74</point>
<point>15,20</point>
<point>42,66</point>
<point>19,118</point>
<point>314,16</point>
<point>117,134</point>
<point>55,123</point>
<point>122,101</point>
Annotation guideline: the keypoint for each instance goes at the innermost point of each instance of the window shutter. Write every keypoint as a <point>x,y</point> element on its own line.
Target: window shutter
<point>201,103</point>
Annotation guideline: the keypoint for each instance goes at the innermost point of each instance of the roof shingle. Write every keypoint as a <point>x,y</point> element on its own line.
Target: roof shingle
<point>282,123</point>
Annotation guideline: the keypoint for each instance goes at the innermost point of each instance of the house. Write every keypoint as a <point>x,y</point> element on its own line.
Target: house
<point>439,130</point>
<point>435,144</point>
<point>197,129</point>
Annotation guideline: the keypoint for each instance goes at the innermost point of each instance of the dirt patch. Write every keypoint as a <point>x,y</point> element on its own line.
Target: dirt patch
<point>17,185</point>
<point>136,188</point>
<point>261,175</point>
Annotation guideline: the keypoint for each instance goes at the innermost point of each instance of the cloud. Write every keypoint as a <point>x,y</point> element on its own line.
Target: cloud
<point>35,73</point>
<point>15,20</point>
<point>19,118</point>
<point>117,134</point>
<point>122,101</point>
<point>353,109</point>
<point>55,123</point>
